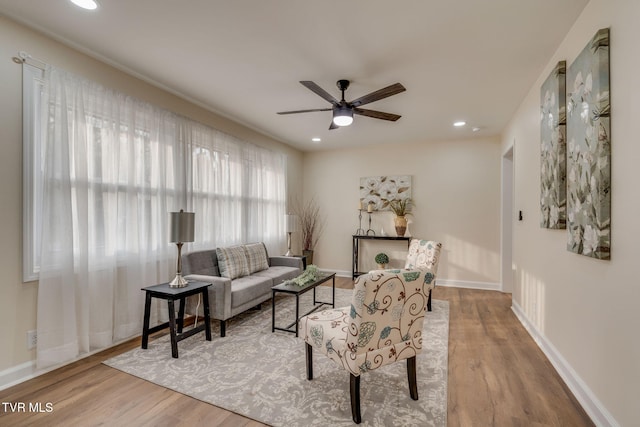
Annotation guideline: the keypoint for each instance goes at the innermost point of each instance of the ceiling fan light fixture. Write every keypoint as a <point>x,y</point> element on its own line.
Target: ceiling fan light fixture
<point>86,4</point>
<point>343,116</point>
<point>343,111</point>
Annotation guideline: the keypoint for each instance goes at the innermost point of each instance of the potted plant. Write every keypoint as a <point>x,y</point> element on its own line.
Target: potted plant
<point>382,260</point>
<point>311,226</point>
<point>401,208</point>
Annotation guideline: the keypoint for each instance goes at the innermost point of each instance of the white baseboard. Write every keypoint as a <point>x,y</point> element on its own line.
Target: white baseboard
<point>17,374</point>
<point>592,406</point>
<point>487,286</point>
<point>28,370</point>
<point>342,273</point>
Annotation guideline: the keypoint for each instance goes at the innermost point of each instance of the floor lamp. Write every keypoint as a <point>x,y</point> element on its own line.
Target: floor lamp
<point>291,222</point>
<point>181,230</point>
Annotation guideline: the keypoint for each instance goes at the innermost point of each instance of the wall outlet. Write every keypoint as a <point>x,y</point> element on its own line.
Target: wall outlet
<point>32,339</point>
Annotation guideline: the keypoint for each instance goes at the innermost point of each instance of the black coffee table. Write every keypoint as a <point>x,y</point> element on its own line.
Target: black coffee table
<point>296,290</point>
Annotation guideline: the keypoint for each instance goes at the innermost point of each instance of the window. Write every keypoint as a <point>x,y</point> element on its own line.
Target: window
<point>125,164</point>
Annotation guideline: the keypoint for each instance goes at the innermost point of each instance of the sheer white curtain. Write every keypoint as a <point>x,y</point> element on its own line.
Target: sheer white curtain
<point>111,172</point>
<point>113,167</point>
<point>238,190</point>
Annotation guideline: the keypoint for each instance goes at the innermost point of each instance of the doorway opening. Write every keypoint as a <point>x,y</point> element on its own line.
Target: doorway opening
<point>506,243</point>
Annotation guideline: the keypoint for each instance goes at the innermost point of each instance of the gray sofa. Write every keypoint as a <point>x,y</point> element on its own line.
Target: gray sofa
<point>242,277</point>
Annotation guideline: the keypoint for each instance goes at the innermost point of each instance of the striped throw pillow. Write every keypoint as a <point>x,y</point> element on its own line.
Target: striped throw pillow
<point>232,262</point>
<point>257,257</point>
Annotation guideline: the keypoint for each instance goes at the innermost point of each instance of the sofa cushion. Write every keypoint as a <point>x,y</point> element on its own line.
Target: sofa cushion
<point>256,257</point>
<point>249,288</point>
<point>232,262</point>
<point>279,273</point>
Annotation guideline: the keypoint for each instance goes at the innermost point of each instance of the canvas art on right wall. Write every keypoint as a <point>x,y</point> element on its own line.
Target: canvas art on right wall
<point>589,151</point>
<point>553,150</point>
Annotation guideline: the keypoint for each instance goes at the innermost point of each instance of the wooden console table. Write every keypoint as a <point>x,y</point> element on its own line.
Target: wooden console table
<point>356,249</point>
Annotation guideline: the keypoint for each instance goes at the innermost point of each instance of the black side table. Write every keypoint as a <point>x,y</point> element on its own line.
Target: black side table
<point>164,291</point>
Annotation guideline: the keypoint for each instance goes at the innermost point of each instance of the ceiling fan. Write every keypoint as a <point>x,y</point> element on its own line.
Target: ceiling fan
<point>343,111</point>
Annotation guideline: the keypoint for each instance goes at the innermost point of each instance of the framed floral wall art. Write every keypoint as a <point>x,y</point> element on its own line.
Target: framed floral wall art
<point>553,160</point>
<point>589,151</point>
<point>380,190</point>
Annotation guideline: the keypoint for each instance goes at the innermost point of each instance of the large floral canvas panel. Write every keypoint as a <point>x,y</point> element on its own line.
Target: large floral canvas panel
<point>380,190</point>
<point>589,151</point>
<point>553,150</point>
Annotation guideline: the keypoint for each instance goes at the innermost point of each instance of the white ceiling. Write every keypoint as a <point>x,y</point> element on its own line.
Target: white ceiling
<point>471,60</point>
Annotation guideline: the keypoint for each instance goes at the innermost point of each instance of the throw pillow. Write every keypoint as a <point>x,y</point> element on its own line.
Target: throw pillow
<point>232,262</point>
<point>257,257</point>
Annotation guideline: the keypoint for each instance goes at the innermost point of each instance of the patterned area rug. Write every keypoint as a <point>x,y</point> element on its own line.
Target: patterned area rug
<point>261,375</point>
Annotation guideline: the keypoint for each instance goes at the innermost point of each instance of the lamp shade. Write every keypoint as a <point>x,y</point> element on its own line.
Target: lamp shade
<point>181,226</point>
<point>291,223</point>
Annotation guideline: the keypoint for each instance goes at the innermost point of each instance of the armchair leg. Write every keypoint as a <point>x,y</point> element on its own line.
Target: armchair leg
<point>411,375</point>
<point>307,352</point>
<point>355,398</point>
<point>223,328</point>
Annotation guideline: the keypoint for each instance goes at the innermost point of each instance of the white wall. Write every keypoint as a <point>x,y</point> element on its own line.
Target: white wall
<point>585,312</point>
<point>18,300</point>
<point>456,188</point>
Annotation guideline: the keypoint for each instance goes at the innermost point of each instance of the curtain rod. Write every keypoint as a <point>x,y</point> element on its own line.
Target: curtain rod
<point>26,58</point>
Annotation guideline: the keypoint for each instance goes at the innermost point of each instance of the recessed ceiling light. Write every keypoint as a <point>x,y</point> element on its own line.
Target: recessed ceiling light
<point>459,123</point>
<point>316,139</point>
<point>476,129</point>
<point>86,4</point>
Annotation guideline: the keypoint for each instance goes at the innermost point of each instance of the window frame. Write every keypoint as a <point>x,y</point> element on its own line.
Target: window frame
<point>32,83</point>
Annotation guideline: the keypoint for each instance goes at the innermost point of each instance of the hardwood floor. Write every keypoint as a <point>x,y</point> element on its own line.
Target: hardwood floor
<point>497,374</point>
<point>497,377</point>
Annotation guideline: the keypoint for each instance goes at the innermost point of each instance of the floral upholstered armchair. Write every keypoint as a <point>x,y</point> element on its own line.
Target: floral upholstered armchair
<point>383,325</point>
<point>424,254</point>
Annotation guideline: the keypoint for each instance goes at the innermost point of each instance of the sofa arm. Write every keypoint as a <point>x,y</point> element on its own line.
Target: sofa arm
<point>286,261</point>
<point>219,294</point>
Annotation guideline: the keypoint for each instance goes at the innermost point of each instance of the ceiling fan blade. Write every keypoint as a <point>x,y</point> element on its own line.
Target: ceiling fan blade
<point>319,91</point>
<point>305,111</point>
<point>379,94</point>
<point>376,114</point>
<point>333,126</point>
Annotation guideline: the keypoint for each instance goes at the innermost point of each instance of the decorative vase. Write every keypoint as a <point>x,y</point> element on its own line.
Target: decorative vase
<point>401,225</point>
<point>382,266</point>
<point>309,254</point>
